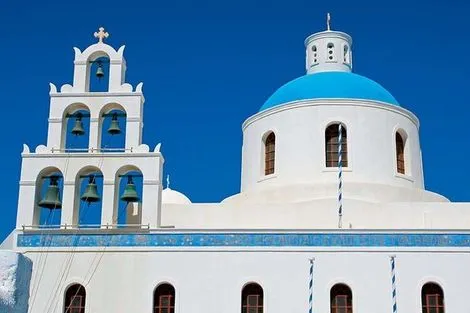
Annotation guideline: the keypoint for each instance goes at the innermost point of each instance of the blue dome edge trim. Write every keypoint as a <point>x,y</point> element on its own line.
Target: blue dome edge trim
<point>329,85</point>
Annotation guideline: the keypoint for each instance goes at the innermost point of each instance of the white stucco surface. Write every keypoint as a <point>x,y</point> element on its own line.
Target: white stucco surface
<point>15,275</point>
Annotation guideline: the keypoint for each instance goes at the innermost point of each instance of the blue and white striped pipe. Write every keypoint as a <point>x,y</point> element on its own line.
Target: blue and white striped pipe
<point>394,287</point>
<point>310,287</point>
<point>340,175</point>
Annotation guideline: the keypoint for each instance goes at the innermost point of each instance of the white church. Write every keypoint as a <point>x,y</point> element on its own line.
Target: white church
<point>332,214</point>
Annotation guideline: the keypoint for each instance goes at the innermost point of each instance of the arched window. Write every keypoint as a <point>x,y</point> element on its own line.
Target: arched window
<point>340,299</point>
<point>252,298</point>
<point>432,298</point>
<point>332,145</point>
<point>330,50</point>
<point>315,55</point>
<point>346,54</point>
<point>400,153</point>
<point>269,153</point>
<point>164,299</point>
<point>75,297</point>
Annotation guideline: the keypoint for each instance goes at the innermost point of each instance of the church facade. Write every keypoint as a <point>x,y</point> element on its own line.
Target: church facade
<point>332,213</point>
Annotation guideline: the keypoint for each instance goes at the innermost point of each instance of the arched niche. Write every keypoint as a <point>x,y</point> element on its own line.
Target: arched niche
<point>110,115</point>
<point>47,213</point>
<point>87,210</point>
<point>128,213</point>
<point>98,61</point>
<point>76,114</point>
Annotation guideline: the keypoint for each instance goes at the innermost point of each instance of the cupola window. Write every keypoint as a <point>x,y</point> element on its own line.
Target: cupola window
<point>315,54</point>
<point>400,153</point>
<point>340,299</point>
<point>269,153</point>
<point>346,54</point>
<point>252,299</point>
<point>331,52</point>
<point>432,298</point>
<point>75,297</point>
<point>164,299</point>
<point>332,144</point>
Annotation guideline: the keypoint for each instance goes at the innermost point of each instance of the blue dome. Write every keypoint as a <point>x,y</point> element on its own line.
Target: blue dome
<point>329,85</point>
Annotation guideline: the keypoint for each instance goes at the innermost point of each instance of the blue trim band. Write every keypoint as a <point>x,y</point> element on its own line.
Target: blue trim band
<point>246,240</point>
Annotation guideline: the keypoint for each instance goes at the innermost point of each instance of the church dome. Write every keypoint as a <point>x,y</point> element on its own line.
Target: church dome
<point>170,196</point>
<point>329,85</point>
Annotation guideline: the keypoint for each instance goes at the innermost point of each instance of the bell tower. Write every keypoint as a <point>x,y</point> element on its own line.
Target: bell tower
<point>62,177</point>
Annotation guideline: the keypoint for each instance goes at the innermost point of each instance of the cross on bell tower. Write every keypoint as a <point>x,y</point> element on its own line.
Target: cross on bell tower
<point>101,34</point>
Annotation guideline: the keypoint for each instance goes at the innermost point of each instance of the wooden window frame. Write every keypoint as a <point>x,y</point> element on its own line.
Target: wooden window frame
<point>164,299</point>
<point>269,154</point>
<point>252,299</point>
<point>400,153</point>
<point>76,291</point>
<point>337,292</point>
<point>432,298</point>
<point>332,144</point>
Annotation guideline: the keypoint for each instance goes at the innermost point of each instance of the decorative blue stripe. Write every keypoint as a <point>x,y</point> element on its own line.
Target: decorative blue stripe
<point>246,240</point>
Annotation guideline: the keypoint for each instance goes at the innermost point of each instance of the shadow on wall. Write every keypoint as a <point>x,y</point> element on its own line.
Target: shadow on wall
<point>15,277</point>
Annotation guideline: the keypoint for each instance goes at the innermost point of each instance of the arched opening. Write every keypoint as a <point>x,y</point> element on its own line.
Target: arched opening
<point>432,298</point>
<point>346,54</point>
<point>315,54</point>
<point>75,299</point>
<point>112,128</point>
<point>88,201</point>
<point>128,198</point>
<point>400,153</point>
<point>252,299</point>
<point>269,153</point>
<point>98,71</point>
<point>341,299</point>
<point>76,128</point>
<point>332,146</point>
<point>48,198</point>
<point>164,299</point>
<point>330,52</point>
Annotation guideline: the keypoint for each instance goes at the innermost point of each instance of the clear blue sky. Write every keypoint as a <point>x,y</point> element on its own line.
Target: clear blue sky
<point>208,65</point>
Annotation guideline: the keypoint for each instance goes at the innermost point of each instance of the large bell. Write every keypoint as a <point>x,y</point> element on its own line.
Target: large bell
<point>114,126</point>
<point>52,198</point>
<point>130,193</point>
<point>78,130</point>
<point>91,191</point>
<point>99,71</point>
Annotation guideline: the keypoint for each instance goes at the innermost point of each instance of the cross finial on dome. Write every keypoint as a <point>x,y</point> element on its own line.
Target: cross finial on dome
<point>328,21</point>
<point>101,34</point>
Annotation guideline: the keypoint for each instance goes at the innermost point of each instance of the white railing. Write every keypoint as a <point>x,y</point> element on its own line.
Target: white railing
<point>84,226</point>
<point>53,150</point>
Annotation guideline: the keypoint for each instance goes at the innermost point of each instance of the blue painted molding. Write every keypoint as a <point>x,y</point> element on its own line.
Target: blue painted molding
<point>246,240</point>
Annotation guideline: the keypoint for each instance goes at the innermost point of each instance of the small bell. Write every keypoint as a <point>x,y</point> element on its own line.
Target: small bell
<point>130,193</point>
<point>91,191</point>
<point>114,126</point>
<point>78,130</point>
<point>52,198</point>
<point>99,71</point>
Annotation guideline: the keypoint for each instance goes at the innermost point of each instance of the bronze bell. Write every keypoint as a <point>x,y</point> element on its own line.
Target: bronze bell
<point>99,71</point>
<point>78,130</point>
<point>91,191</point>
<point>114,126</point>
<point>130,193</point>
<point>52,198</point>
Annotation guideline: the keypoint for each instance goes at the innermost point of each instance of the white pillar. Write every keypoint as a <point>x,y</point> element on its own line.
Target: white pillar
<point>108,213</point>
<point>68,216</point>
<point>94,140</point>
<point>151,203</point>
<point>27,215</point>
<point>133,132</point>
<point>54,133</point>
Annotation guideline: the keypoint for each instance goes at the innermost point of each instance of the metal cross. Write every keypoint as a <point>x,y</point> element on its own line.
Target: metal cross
<point>328,21</point>
<point>101,34</point>
<point>168,181</point>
